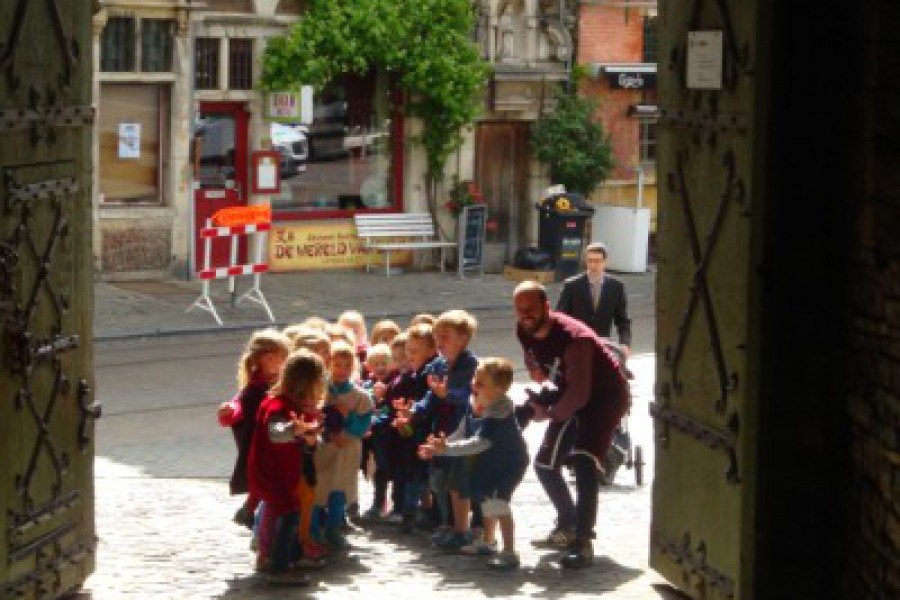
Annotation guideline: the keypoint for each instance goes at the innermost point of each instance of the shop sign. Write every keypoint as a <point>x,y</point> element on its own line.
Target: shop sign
<point>293,107</point>
<point>631,80</point>
<point>324,245</point>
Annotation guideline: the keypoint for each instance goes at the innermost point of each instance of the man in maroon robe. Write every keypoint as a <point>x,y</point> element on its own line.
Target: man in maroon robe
<point>585,396</point>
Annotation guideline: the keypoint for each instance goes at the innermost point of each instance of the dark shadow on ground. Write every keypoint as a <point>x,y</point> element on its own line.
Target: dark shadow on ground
<point>458,572</point>
<point>342,570</point>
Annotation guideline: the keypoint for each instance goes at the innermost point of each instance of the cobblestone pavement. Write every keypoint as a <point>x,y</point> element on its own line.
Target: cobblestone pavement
<point>167,536</point>
<point>162,505</point>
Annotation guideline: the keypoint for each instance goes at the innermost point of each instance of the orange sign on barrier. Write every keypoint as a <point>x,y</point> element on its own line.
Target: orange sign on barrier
<point>243,215</point>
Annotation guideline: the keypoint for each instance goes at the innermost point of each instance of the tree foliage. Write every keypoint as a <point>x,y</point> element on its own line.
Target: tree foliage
<point>573,144</point>
<point>424,45</point>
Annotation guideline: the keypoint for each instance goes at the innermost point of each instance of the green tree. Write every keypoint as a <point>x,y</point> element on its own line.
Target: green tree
<point>424,45</point>
<point>573,144</point>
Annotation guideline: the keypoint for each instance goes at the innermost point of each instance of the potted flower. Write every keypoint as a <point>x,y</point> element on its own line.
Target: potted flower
<point>462,194</point>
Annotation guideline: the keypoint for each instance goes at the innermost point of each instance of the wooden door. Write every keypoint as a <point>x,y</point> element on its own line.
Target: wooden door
<point>501,170</point>
<point>46,371</point>
<point>702,536</point>
<point>221,172</point>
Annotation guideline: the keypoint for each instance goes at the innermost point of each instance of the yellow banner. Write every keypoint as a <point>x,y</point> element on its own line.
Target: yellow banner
<point>323,245</point>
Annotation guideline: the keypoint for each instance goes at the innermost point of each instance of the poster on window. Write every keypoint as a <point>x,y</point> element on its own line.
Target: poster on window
<point>129,140</point>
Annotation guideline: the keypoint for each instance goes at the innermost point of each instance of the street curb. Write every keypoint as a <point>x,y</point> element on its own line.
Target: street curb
<point>237,328</point>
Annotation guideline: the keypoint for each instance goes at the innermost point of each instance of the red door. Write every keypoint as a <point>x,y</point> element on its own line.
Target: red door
<point>220,172</point>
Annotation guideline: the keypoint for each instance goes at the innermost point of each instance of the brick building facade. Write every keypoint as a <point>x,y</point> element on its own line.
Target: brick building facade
<point>616,46</point>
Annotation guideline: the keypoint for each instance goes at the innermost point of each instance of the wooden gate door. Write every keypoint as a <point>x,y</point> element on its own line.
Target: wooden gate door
<point>501,170</point>
<point>703,504</point>
<point>46,371</point>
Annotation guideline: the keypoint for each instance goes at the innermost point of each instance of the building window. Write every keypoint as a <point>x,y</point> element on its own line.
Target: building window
<point>648,141</point>
<point>129,45</point>
<point>206,63</point>
<point>650,39</point>
<point>156,45</point>
<point>240,64</point>
<point>133,143</point>
<point>117,45</point>
<point>345,159</point>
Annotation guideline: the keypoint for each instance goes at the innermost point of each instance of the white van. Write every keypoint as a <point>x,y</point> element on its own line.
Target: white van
<point>291,141</point>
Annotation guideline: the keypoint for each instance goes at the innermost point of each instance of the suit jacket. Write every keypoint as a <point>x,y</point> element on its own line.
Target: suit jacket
<point>576,301</point>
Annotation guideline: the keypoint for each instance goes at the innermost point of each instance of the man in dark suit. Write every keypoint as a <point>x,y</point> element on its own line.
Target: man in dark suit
<point>597,299</point>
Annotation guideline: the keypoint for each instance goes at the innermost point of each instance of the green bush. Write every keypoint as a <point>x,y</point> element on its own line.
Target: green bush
<point>573,144</point>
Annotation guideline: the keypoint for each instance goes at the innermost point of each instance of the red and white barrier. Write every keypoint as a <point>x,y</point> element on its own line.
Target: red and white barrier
<point>259,233</point>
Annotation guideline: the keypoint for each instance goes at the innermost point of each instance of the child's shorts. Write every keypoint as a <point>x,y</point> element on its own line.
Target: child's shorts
<point>496,480</point>
<point>451,474</point>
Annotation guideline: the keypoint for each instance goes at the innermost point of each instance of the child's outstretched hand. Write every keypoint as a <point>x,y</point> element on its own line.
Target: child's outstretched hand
<point>302,427</point>
<point>438,385</point>
<point>226,411</point>
<point>433,445</point>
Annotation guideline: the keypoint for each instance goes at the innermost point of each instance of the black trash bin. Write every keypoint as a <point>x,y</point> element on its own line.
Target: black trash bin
<point>561,219</point>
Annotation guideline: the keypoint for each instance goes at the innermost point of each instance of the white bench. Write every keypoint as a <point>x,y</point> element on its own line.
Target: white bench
<point>374,229</point>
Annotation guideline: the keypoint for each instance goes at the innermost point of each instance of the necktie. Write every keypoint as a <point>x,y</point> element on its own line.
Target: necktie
<point>595,294</point>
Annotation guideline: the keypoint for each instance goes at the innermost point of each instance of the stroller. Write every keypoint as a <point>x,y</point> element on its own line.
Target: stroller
<point>622,451</point>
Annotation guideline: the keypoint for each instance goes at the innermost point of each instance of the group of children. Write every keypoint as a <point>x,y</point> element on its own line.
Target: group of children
<point>319,401</point>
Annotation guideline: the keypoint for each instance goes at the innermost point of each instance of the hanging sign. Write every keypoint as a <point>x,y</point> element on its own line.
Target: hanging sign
<point>290,107</point>
<point>704,60</point>
<point>631,80</point>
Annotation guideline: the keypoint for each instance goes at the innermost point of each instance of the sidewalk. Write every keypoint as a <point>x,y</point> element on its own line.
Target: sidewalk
<point>152,308</point>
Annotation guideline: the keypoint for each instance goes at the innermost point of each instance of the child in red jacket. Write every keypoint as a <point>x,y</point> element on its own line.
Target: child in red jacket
<point>276,461</point>
<point>258,368</point>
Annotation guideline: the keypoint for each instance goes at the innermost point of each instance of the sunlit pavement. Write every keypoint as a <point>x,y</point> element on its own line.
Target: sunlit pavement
<point>172,537</point>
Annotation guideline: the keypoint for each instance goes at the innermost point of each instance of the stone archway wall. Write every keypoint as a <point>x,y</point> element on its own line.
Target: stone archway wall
<point>873,404</point>
<point>829,318</point>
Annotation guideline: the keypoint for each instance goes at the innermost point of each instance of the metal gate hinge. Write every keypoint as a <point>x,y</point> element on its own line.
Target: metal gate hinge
<point>703,434</point>
<point>693,562</point>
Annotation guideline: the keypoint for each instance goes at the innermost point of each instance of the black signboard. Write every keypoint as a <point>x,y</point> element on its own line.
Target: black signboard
<point>472,225</point>
<point>631,80</point>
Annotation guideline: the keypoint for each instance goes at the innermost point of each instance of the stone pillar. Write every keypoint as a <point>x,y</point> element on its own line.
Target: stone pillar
<point>98,24</point>
<point>181,176</point>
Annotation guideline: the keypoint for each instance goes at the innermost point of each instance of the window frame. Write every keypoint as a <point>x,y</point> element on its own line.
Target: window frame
<point>398,130</point>
<point>135,45</point>
<point>163,157</point>
<point>646,141</point>
<point>217,66</point>
<point>248,65</point>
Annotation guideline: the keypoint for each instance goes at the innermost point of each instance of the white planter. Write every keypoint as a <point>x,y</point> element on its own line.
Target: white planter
<point>626,233</point>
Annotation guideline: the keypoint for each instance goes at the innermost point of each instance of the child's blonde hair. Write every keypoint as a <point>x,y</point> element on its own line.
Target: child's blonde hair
<point>314,341</point>
<point>336,332</point>
<point>261,342</point>
<point>384,332</point>
<point>302,377</point>
<point>400,340</point>
<point>355,322</point>
<point>421,318</point>
<point>498,370</point>
<point>298,330</point>
<point>423,332</point>
<point>378,351</point>
<point>458,320</point>
<point>315,323</point>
